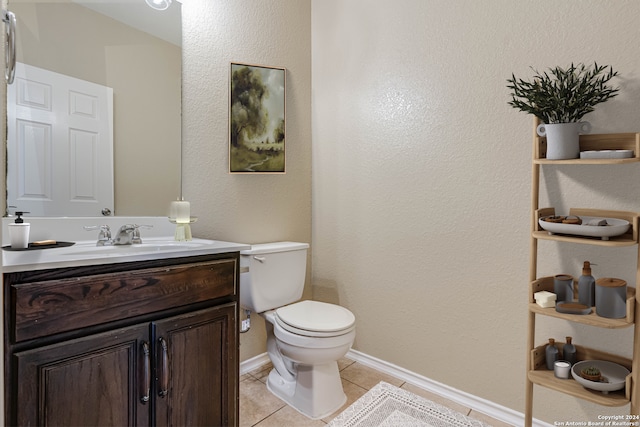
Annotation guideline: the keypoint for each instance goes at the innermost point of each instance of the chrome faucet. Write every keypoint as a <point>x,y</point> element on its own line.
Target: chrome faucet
<point>104,236</point>
<point>129,234</point>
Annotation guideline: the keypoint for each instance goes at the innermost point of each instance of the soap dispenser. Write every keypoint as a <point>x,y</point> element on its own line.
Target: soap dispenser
<point>587,286</point>
<point>19,232</point>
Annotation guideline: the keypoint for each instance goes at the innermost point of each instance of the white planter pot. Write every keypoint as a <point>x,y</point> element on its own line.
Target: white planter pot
<point>563,139</point>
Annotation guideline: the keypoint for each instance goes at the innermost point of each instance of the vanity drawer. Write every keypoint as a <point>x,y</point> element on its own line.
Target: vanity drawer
<point>54,306</point>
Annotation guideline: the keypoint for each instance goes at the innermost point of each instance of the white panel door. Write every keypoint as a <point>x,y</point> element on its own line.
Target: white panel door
<point>59,144</point>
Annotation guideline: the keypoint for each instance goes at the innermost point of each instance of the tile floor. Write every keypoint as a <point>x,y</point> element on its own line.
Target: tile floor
<point>260,408</point>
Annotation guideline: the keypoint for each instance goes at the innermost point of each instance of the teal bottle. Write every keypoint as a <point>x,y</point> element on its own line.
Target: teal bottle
<point>569,352</point>
<point>551,354</point>
<point>587,286</point>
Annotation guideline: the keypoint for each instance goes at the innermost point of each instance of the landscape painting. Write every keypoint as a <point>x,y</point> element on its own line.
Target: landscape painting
<point>257,119</point>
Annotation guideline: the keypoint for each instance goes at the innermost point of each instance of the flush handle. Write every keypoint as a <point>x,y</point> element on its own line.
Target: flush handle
<point>260,258</point>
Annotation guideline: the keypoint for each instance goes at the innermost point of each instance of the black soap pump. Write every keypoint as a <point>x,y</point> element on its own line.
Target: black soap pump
<point>19,219</point>
<point>587,286</point>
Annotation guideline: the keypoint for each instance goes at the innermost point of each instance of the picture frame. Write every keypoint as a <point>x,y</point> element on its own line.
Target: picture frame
<point>257,119</point>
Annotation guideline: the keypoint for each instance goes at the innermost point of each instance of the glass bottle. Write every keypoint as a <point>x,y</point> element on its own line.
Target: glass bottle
<point>587,286</point>
<point>551,353</point>
<point>569,352</point>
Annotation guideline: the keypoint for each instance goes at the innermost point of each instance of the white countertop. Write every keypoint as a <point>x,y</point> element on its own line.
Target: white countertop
<point>87,253</point>
<point>157,243</point>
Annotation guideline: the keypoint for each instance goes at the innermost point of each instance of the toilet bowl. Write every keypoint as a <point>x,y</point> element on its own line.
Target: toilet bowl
<point>305,339</point>
<point>305,373</point>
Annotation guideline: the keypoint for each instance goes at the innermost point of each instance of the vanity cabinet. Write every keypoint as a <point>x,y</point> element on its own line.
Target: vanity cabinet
<point>140,343</point>
<point>537,373</point>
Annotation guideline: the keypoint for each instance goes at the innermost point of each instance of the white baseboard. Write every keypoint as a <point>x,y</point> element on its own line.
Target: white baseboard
<point>478,404</point>
<point>254,363</point>
<point>499,412</point>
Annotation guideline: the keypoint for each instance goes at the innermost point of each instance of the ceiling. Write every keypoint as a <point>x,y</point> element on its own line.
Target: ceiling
<point>164,24</point>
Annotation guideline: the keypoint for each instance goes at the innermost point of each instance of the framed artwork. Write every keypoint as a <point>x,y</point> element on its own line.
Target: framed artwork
<point>256,119</point>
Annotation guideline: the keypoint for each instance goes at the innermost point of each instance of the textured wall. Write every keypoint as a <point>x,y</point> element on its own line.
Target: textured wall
<point>245,208</point>
<point>421,180</point>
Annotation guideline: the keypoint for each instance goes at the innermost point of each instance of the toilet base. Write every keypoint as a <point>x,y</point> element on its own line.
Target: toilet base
<point>316,393</point>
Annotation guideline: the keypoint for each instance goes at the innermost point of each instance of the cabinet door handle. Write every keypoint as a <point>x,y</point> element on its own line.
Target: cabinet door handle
<point>146,372</point>
<point>164,367</point>
<point>10,54</point>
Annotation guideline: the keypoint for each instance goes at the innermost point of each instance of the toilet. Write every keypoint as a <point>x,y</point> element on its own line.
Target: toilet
<point>305,339</point>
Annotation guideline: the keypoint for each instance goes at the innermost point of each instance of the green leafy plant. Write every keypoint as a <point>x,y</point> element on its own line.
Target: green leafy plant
<point>563,95</point>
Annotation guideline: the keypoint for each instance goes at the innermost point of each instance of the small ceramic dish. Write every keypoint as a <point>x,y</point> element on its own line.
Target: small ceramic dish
<point>606,154</point>
<point>613,227</point>
<point>613,375</point>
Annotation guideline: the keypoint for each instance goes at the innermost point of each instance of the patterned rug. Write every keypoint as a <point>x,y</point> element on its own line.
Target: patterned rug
<point>389,406</point>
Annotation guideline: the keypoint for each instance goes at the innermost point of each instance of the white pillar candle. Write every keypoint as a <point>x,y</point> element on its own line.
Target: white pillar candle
<point>181,212</point>
<point>562,369</point>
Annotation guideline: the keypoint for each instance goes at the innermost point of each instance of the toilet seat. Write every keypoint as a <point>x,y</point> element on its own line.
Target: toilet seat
<point>315,319</point>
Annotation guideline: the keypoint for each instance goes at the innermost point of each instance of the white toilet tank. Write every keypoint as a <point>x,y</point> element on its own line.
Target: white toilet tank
<point>272,275</point>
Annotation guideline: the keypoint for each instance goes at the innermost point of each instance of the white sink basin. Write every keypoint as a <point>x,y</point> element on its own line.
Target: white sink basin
<point>90,249</point>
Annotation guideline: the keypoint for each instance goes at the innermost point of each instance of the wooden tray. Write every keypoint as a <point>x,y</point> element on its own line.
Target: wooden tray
<point>539,374</point>
<point>546,284</point>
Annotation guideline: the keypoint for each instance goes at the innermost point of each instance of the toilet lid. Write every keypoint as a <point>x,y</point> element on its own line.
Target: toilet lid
<point>315,316</point>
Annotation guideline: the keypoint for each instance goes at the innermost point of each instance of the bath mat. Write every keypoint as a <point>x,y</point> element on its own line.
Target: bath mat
<point>389,406</point>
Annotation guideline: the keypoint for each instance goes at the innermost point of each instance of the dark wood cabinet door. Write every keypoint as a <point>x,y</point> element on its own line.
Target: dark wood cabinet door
<point>91,381</point>
<point>197,368</point>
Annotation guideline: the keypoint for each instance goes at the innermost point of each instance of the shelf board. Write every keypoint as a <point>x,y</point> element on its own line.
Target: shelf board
<point>587,161</point>
<point>611,141</point>
<point>616,241</point>
<point>629,238</point>
<point>545,378</point>
<point>592,319</point>
<point>588,319</point>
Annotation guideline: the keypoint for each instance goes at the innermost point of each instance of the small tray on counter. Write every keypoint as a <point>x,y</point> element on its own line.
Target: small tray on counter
<point>570,307</point>
<point>35,246</point>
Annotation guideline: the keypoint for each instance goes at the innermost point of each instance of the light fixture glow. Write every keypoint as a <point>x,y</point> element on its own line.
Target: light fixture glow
<point>159,4</point>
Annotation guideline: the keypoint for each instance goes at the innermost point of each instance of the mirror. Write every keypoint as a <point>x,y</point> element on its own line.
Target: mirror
<point>133,49</point>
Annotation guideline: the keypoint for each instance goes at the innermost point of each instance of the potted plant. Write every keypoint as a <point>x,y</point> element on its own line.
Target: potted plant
<point>560,98</point>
